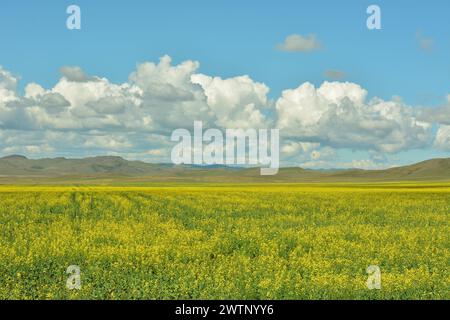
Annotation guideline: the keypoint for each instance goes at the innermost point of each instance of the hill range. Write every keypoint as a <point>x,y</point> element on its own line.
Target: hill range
<point>19,169</point>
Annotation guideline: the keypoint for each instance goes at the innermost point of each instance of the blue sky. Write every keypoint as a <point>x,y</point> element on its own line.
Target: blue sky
<point>232,38</point>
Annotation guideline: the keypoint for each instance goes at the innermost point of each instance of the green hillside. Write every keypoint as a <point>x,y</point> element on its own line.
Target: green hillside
<point>20,169</point>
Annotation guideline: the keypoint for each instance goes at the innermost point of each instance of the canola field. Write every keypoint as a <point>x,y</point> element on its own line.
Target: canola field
<point>225,241</point>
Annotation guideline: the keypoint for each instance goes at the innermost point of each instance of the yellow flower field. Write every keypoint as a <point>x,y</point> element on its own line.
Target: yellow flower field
<point>225,241</point>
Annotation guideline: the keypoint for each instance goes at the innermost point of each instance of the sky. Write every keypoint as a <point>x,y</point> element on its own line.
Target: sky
<point>342,95</point>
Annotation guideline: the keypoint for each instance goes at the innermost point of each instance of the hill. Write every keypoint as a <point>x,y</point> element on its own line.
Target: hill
<point>17,168</point>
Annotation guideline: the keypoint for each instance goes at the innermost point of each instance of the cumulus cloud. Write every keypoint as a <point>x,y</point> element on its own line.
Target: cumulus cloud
<point>165,81</point>
<point>295,148</point>
<point>84,115</point>
<point>8,85</point>
<point>168,95</point>
<point>337,115</point>
<point>74,73</point>
<point>107,142</point>
<point>442,140</point>
<point>299,43</point>
<point>92,113</point>
<point>236,102</point>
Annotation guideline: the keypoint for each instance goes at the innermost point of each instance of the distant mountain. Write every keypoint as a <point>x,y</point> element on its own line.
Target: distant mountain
<point>20,165</point>
<point>20,169</point>
<point>431,170</point>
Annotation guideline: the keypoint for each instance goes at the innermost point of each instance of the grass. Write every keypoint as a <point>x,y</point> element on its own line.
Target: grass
<point>287,241</point>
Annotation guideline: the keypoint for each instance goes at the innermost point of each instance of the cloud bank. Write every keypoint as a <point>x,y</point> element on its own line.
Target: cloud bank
<point>85,115</point>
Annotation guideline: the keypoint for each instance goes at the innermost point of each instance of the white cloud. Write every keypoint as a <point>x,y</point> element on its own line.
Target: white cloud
<point>7,80</point>
<point>299,43</point>
<point>164,80</point>
<point>168,95</point>
<point>235,102</point>
<point>8,86</point>
<point>99,115</point>
<point>442,140</point>
<point>75,74</point>
<point>365,164</point>
<point>38,149</point>
<point>107,142</point>
<point>296,153</point>
<point>84,115</point>
<point>33,90</point>
<point>337,115</point>
<point>294,148</point>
